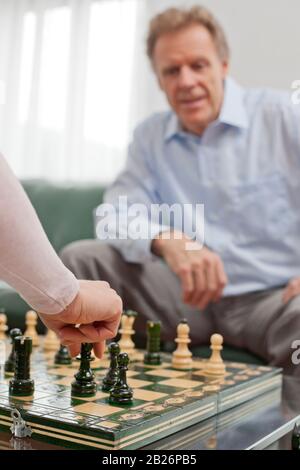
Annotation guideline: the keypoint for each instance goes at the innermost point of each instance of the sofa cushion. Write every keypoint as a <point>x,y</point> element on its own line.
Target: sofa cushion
<point>65,210</point>
<point>15,308</point>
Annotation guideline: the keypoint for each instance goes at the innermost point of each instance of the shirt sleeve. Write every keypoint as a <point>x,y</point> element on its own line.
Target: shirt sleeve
<point>28,262</point>
<point>130,218</point>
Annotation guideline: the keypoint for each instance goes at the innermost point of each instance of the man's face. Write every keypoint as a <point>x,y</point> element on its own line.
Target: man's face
<point>191,74</point>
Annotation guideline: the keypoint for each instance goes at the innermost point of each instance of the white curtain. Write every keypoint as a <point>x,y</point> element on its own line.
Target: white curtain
<point>70,78</point>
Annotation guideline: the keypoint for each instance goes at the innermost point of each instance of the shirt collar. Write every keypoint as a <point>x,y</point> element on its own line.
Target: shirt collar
<point>233,110</point>
<point>173,126</point>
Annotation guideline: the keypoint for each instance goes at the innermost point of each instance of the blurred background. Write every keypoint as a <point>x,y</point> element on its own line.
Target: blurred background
<point>75,80</point>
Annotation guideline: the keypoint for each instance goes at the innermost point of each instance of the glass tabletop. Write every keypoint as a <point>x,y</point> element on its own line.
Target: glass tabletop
<point>257,424</point>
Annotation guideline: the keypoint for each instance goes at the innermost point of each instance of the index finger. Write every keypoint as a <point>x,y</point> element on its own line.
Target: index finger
<point>99,349</point>
<point>187,282</point>
<point>222,279</point>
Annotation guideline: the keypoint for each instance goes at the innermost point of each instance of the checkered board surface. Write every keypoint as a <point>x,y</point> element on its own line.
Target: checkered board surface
<point>165,401</point>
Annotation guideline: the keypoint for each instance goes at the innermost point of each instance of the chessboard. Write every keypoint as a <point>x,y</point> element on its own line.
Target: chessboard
<point>166,400</point>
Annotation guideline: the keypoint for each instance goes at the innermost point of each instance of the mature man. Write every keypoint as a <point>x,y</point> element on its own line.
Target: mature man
<point>237,152</point>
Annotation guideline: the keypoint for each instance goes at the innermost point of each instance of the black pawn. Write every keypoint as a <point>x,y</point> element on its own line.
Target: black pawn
<point>10,362</point>
<point>21,385</point>
<point>113,372</point>
<point>121,393</point>
<point>84,384</point>
<point>62,356</point>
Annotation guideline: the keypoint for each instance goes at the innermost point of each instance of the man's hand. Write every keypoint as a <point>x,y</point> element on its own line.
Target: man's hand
<point>97,309</point>
<point>200,271</point>
<point>291,290</point>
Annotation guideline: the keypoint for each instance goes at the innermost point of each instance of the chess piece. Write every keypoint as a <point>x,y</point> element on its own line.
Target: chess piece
<point>31,322</point>
<point>182,356</point>
<point>121,393</point>
<point>152,355</point>
<point>51,342</point>
<point>93,357</point>
<point>3,325</point>
<point>62,356</point>
<point>126,344</point>
<point>84,384</point>
<point>215,365</point>
<point>112,375</point>
<point>10,362</point>
<point>296,438</point>
<point>21,384</point>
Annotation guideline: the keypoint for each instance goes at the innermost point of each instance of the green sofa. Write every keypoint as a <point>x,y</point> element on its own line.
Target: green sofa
<point>65,211</point>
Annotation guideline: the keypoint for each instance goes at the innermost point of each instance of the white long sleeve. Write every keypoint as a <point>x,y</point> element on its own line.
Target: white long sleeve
<point>28,262</point>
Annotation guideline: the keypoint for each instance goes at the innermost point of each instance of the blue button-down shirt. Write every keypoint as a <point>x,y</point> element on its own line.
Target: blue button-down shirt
<point>245,169</point>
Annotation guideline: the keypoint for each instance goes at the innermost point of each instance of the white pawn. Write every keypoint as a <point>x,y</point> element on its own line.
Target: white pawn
<point>126,344</point>
<point>182,356</point>
<point>51,342</point>
<point>31,322</point>
<point>215,365</point>
<point>3,326</point>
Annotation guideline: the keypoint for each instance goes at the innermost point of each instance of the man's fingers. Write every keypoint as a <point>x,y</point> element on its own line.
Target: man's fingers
<point>211,285</point>
<point>74,349</point>
<point>91,332</point>
<point>106,331</point>
<point>209,282</point>
<point>187,281</point>
<point>200,286</point>
<point>204,300</point>
<point>222,279</point>
<point>99,349</point>
<point>111,326</point>
<point>70,334</point>
<point>100,331</point>
<point>94,333</point>
<point>287,295</point>
<point>291,290</point>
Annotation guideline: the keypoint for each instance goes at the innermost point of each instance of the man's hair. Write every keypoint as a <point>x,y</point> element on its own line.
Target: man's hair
<point>174,19</point>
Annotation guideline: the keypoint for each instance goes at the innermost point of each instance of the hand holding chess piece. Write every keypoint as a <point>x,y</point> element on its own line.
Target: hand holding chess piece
<point>215,365</point>
<point>92,317</point>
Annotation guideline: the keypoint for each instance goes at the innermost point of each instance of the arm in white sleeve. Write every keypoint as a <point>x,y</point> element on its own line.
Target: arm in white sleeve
<point>27,260</point>
<point>129,219</point>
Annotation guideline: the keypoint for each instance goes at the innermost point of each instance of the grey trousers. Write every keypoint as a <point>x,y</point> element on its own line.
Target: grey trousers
<point>258,321</point>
